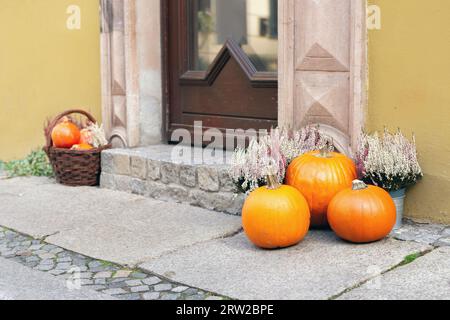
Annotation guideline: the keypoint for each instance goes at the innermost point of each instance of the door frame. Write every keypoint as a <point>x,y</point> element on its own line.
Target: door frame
<point>134,86</point>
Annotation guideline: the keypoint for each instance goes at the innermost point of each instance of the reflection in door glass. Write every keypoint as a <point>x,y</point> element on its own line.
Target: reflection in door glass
<point>251,23</point>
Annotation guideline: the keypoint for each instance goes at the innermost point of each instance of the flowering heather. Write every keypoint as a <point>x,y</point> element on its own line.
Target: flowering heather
<point>388,161</point>
<point>250,166</point>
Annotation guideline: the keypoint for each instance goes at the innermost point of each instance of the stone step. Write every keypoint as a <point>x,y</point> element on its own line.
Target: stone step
<point>194,176</point>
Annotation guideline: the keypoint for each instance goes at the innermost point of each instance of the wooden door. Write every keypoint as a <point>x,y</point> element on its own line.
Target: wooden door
<point>222,64</point>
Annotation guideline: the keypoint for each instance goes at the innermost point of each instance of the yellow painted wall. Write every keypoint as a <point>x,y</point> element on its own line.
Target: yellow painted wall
<point>409,87</point>
<point>44,68</point>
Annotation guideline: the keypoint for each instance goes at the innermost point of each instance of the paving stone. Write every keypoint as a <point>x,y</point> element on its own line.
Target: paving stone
<point>104,274</point>
<point>63,266</point>
<point>151,296</point>
<point>44,267</point>
<point>122,274</point>
<point>196,297</point>
<point>49,247</point>
<point>100,281</point>
<point>163,287</point>
<point>132,283</point>
<point>218,266</point>
<point>64,259</point>
<point>140,289</point>
<point>96,287</point>
<point>129,296</point>
<point>443,242</point>
<point>46,256</point>
<point>94,264</point>
<point>57,272</point>
<point>170,296</point>
<point>214,298</point>
<point>138,275</point>
<point>56,251</point>
<point>179,289</point>
<point>410,282</point>
<point>115,291</point>
<point>421,233</point>
<point>152,281</point>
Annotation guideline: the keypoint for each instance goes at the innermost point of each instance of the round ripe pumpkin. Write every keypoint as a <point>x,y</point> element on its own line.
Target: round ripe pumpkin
<point>65,134</point>
<point>82,147</point>
<point>276,217</point>
<point>319,176</point>
<point>362,214</point>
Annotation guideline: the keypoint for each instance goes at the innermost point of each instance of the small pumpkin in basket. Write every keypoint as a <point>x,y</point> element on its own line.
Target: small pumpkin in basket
<point>319,176</point>
<point>65,134</point>
<point>276,216</point>
<point>82,147</point>
<point>362,214</point>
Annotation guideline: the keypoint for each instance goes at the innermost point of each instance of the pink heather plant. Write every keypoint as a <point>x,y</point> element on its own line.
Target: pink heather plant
<point>250,166</point>
<point>388,161</point>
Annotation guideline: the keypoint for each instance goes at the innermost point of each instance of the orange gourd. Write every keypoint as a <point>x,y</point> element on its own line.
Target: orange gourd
<point>82,147</point>
<point>65,134</point>
<point>319,176</point>
<point>362,214</point>
<point>275,216</point>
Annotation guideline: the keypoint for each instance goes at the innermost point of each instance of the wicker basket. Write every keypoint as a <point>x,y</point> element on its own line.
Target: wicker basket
<point>72,167</point>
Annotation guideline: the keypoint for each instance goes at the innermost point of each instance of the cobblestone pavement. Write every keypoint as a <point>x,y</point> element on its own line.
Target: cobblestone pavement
<point>102,276</point>
<point>436,235</point>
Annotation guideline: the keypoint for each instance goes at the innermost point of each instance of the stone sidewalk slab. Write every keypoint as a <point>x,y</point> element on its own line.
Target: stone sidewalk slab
<point>427,278</point>
<point>18,282</point>
<point>319,268</point>
<point>105,224</point>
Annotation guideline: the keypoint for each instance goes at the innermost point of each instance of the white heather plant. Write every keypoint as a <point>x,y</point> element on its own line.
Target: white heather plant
<point>388,161</point>
<point>249,167</point>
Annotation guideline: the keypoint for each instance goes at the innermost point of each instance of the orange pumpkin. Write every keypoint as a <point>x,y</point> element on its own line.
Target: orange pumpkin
<point>362,214</point>
<point>319,176</point>
<point>82,147</point>
<point>65,134</point>
<point>275,216</point>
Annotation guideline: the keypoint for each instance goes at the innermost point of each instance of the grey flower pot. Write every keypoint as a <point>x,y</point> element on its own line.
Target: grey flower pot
<point>399,200</point>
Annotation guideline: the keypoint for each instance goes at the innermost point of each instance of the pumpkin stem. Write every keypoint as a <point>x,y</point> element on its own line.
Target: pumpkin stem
<point>272,182</point>
<point>359,185</point>
<point>324,152</point>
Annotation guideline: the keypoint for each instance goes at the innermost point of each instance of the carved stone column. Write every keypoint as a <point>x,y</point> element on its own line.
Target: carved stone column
<point>322,67</point>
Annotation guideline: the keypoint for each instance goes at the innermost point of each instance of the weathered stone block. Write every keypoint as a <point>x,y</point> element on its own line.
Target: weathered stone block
<point>218,201</point>
<point>107,162</point>
<point>155,190</point>
<point>139,167</point>
<point>122,183</point>
<point>121,164</point>
<point>138,186</point>
<point>170,173</point>
<point>107,181</point>
<point>153,170</point>
<point>208,178</point>
<point>226,183</point>
<point>188,176</point>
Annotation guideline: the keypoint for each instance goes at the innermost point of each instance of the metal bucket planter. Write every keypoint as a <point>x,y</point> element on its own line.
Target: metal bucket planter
<point>399,200</point>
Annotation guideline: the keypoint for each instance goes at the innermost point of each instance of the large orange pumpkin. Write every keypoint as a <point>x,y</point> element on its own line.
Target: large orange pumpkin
<point>319,176</point>
<point>362,214</point>
<point>65,134</point>
<point>275,216</point>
